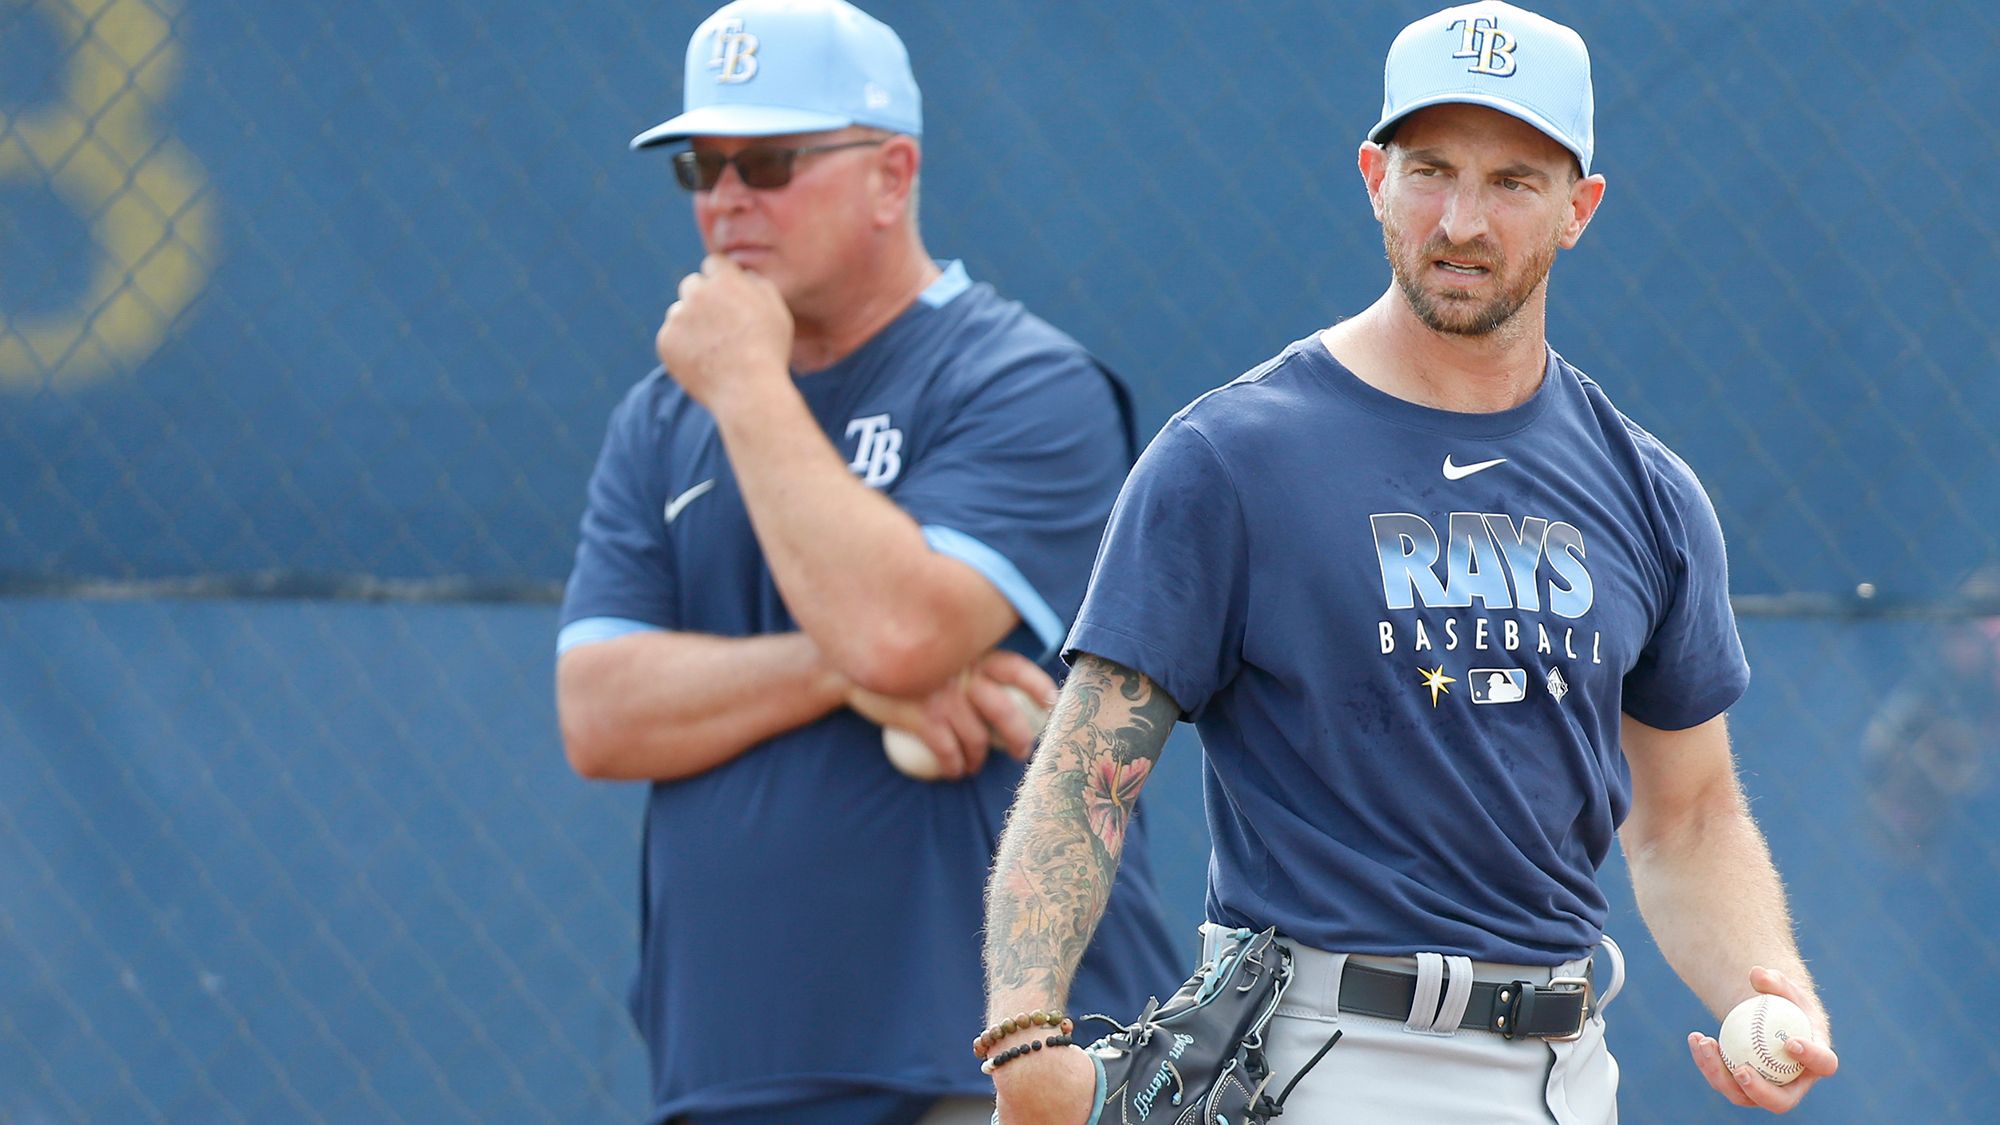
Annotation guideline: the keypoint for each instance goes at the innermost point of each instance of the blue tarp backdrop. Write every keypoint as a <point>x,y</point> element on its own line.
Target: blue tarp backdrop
<point>318,298</point>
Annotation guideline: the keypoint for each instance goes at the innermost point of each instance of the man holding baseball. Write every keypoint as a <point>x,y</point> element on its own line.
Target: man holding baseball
<point>861,491</point>
<point>1447,622</point>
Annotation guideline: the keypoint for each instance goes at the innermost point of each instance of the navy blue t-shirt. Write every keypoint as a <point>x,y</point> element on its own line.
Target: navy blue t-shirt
<point>811,919</point>
<point>1405,636</point>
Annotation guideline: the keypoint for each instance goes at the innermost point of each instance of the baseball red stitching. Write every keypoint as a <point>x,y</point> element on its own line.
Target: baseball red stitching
<point>1773,1066</point>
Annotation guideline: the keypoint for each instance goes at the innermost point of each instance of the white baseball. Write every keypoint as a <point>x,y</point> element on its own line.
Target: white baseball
<point>908,753</point>
<point>1756,1031</point>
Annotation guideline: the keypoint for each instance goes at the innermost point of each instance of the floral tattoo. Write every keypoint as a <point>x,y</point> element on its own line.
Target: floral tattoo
<point>1068,827</point>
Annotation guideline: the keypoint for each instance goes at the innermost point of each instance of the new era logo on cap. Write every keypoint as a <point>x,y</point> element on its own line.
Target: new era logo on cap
<point>761,68</point>
<point>1499,56</point>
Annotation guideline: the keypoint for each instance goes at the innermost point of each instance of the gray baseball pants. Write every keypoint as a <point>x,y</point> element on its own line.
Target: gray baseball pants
<point>1388,1071</point>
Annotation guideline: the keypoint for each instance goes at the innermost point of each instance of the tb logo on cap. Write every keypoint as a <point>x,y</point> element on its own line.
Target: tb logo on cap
<point>1481,40</point>
<point>735,53</point>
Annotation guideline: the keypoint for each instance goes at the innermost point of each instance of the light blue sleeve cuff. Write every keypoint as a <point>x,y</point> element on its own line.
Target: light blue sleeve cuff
<point>1007,578</point>
<point>590,630</point>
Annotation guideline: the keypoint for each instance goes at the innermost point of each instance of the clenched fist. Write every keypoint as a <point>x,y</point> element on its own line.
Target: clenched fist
<point>730,327</point>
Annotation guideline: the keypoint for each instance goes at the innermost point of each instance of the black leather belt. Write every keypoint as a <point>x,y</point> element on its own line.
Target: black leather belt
<point>1514,1009</point>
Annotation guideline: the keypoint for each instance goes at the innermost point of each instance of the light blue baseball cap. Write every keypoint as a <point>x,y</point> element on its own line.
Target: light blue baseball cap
<point>1499,56</point>
<point>760,68</point>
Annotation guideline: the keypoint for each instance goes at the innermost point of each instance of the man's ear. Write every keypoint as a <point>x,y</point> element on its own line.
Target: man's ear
<point>896,169</point>
<point>1584,196</point>
<point>1374,161</point>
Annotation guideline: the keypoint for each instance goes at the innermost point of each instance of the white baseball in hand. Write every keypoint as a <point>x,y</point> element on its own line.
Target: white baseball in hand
<point>908,753</point>
<point>1755,1033</point>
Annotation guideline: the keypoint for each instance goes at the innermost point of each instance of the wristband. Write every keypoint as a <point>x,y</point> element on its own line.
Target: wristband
<point>1019,1049</point>
<point>983,1046</point>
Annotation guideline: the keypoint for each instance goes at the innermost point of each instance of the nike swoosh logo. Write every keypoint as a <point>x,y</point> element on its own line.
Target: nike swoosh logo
<point>1460,472</point>
<point>675,505</point>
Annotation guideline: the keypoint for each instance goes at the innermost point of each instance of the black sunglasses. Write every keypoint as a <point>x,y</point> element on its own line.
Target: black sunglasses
<point>763,167</point>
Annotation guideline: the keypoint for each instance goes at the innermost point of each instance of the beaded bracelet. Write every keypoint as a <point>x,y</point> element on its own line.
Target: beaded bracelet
<point>983,1045</point>
<point>1016,1051</point>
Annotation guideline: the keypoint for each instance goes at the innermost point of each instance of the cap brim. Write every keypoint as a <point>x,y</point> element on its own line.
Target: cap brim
<point>1511,109</point>
<point>738,121</point>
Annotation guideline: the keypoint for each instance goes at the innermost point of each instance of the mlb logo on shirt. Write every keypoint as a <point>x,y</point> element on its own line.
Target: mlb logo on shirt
<point>1498,685</point>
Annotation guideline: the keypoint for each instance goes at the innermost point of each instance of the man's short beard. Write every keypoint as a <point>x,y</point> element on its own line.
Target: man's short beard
<point>1435,313</point>
<point>1481,320</point>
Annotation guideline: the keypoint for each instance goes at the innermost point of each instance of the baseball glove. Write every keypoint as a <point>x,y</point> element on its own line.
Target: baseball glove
<point>1199,1058</point>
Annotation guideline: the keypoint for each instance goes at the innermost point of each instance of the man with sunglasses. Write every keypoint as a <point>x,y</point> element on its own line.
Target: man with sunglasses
<point>1448,625</point>
<point>861,490</point>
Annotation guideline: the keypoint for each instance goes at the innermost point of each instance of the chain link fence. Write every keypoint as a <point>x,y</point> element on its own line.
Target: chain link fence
<point>311,315</point>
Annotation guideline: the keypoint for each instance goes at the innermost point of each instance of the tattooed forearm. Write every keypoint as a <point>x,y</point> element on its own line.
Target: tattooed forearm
<point>1067,830</point>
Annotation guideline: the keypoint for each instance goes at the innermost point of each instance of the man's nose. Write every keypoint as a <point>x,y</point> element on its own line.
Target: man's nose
<point>729,192</point>
<point>1464,217</point>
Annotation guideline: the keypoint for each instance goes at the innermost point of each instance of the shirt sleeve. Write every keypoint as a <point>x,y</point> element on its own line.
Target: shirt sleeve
<point>1169,594</point>
<point>1693,667</point>
<point>1018,480</point>
<point>624,570</point>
